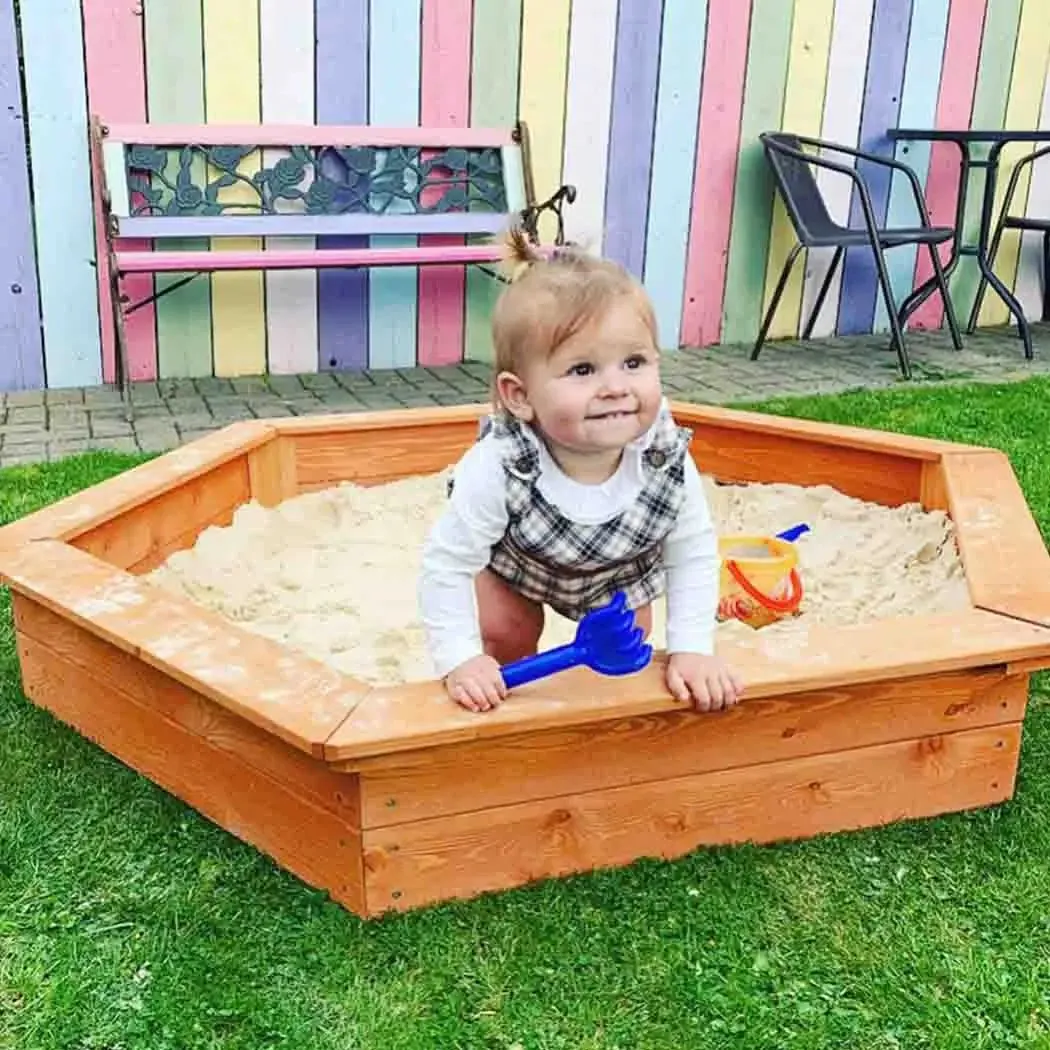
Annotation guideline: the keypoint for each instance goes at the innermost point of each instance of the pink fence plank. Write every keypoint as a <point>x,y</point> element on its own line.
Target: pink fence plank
<point>116,87</point>
<point>718,143</point>
<point>962,50</point>
<point>445,89</point>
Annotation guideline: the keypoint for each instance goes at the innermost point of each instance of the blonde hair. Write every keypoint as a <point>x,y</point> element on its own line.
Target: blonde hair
<point>550,298</point>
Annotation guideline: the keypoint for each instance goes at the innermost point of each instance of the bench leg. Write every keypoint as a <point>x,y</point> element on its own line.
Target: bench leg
<point>121,337</point>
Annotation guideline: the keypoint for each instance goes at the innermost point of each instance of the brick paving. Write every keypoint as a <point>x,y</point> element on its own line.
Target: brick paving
<point>48,425</point>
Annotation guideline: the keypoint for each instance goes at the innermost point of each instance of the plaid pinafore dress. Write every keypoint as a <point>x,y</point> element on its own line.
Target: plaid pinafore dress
<point>574,568</point>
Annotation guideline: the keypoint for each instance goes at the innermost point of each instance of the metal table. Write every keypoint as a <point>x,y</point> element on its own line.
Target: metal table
<point>969,139</point>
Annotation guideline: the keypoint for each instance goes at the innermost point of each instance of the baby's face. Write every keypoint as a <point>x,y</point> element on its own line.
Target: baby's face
<point>601,388</point>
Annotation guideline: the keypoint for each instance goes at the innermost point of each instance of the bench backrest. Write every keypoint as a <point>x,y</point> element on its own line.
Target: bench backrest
<point>217,180</point>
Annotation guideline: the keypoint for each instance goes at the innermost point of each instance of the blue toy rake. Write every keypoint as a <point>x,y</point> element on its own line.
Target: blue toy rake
<point>607,641</point>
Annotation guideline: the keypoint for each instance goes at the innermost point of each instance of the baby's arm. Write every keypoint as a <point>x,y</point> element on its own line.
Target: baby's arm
<point>692,564</point>
<point>455,551</point>
<point>693,567</point>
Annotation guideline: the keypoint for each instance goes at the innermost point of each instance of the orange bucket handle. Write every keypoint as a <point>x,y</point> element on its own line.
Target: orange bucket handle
<point>783,605</point>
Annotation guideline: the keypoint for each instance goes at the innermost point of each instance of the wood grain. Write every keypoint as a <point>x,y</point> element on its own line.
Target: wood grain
<point>140,539</point>
<point>408,865</point>
<point>466,777</point>
<point>57,639</point>
<point>1006,560</point>
<point>285,692</point>
<point>271,472</point>
<point>315,843</point>
<point>80,513</point>
<point>420,715</point>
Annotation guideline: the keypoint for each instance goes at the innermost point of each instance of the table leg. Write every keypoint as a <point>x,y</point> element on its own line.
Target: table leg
<point>1004,293</point>
<point>919,295</point>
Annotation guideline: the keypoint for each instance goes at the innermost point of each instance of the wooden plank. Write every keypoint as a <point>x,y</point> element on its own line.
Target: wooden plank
<point>635,72</point>
<point>753,195</point>
<point>1022,111</point>
<point>541,93</point>
<point>495,55</point>
<point>342,98</point>
<point>320,847</point>
<point>140,539</point>
<point>63,211</point>
<point>286,46</point>
<point>882,92</point>
<point>588,109</point>
<point>444,102</point>
<point>407,865</point>
<point>393,100</point>
<point>847,69</point>
<point>22,364</point>
<point>297,698</point>
<point>69,518</point>
<point>116,90</point>
<point>683,40</point>
<point>803,107</point>
<point>175,95</point>
<point>954,102</point>
<point>715,170</point>
<point>57,642</point>
<point>231,93</point>
<point>826,657</point>
<point>1007,565</point>
<point>998,43</point>
<point>272,475</point>
<point>396,789</point>
<point>742,455</point>
<point>373,457</point>
<point>918,109</point>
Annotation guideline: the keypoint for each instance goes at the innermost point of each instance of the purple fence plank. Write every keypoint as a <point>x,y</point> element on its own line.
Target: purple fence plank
<point>882,94</point>
<point>21,345</point>
<point>342,98</point>
<point>635,73</point>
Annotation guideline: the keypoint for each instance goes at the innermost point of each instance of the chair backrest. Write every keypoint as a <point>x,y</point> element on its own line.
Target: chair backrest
<point>215,180</point>
<point>798,186</point>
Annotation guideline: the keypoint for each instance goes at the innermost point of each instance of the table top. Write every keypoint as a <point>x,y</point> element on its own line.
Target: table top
<point>970,134</point>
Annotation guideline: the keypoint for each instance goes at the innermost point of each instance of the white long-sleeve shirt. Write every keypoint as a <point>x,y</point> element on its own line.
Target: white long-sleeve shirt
<point>476,518</point>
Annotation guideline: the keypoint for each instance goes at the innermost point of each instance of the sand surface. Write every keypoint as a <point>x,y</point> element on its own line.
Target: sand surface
<point>333,573</point>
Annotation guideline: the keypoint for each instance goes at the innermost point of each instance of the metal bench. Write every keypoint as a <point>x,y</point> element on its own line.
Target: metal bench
<point>160,184</point>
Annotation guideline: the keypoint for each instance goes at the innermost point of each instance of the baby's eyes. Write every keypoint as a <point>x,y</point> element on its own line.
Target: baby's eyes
<point>583,368</point>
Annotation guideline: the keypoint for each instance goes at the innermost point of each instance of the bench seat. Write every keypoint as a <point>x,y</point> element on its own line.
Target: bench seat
<point>301,259</point>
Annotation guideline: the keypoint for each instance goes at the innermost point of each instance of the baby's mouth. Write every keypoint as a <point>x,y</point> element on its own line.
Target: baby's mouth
<point>616,414</point>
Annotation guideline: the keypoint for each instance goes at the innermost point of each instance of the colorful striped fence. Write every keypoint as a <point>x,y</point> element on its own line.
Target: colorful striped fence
<point>651,108</point>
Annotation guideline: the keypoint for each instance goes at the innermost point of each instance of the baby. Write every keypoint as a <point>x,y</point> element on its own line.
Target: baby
<point>580,485</point>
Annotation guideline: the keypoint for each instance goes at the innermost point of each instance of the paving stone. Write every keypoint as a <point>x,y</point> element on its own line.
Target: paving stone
<point>23,398</point>
<point>23,454</point>
<point>250,385</point>
<point>145,393</point>
<point>211,385</point>
<point>27,414</point>
<point>26,434</point>
<point>192,434</point>
<point>102,395</point>
<point>157,439</point>
<point>105,427</point>
<point>115,443</point>
<point>286,386</point>
<point>268,408</point>
<point>65,396</point>
<point>320,381</point>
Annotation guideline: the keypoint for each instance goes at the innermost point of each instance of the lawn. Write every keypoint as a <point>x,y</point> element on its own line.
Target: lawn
<point>128,922</point>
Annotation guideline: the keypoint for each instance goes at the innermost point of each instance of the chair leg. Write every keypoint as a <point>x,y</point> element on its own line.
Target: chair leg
<point>825,287</point>
<point>891,309</point>
<point>1046,276</point>
<point>775,301</point>
<point>121,338</point>
<point>949,309</point>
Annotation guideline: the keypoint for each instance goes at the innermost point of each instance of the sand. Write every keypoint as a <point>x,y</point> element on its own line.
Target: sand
<point>333,573</point>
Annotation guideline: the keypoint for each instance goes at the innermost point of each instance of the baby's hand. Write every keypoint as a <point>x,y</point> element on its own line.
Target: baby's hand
<point>477,684</point>
<point>706,680</point>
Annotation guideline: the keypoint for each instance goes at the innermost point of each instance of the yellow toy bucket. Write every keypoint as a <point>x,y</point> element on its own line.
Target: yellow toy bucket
<point>759,581</point>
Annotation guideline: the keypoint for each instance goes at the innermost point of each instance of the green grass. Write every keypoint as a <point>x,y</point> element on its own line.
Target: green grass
<point>127,921</point>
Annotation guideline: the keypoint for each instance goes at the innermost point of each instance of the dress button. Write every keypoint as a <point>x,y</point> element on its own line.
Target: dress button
<point>657,457</point>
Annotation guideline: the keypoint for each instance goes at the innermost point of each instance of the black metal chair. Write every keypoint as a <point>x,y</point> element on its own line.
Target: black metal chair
<point>1022,223</point>
<point>793,173</point>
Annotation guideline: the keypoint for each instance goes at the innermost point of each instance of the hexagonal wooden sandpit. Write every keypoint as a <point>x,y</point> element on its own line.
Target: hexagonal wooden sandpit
<point>394,797</point>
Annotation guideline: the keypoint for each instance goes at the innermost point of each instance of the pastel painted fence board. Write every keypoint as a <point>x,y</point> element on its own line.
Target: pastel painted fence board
<point>651,109</point>
<point>22,364</point>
